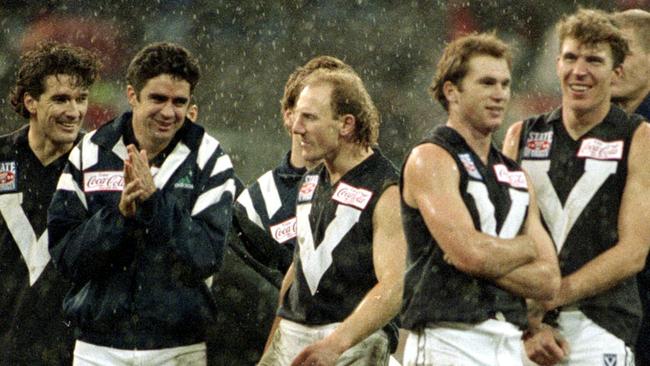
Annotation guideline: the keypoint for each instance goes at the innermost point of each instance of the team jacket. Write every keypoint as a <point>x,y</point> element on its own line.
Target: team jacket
<point>496,196</point>
<point>333,260</point>
<point>579,185</point>
<point>270,203</point>
<point>33,330</point>
<point>139,283</point>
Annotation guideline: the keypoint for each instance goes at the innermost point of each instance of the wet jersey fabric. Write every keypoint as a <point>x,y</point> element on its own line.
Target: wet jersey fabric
<point>496,196</point>
<point>333,259</point>
<point>579,186</point>
<point>139,283</point>
<point>270,203</point>
<point>33,330</point>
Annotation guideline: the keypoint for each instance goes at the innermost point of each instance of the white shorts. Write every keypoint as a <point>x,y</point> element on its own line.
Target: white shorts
<point>490,343</point>
<point>590,344</point>
<point>291,338</point>
<point>86,354</point>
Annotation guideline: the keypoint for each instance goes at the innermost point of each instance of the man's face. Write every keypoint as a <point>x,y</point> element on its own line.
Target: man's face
<point>315,124</point>
<point>586,74</point>
<point>160,109</point>
<point>635,75</point>
<point>483,95</point>
<point>58,113</point>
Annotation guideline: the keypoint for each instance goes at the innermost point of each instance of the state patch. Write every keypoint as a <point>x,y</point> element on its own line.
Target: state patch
<point>8,176</point>
<point>307,188</point>
<point>469,165</point>
<point>538,145</point>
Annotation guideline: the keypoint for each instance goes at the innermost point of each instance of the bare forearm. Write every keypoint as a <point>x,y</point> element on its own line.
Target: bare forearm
<point>539,280</point>
<point>376,309</point>
<point>495,258</point>
<point>600,274</point>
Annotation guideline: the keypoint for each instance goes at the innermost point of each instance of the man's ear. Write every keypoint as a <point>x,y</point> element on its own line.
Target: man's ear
<point>349,124</point>
<point>450,90</point>
<point>30,103</point>
<point>131,95</point>
<point>618,73</point>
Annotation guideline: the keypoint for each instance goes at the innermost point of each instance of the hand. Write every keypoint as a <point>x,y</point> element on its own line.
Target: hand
<point>141,171</point>
<point>130,192</point>
<point>321,353</point>
<point>546,347</point>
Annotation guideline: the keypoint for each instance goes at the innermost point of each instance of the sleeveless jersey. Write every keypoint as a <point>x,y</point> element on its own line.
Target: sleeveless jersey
<point>496,196</point>
<point>579,185</point>
<point>32,327</point>
<point>333,258</point>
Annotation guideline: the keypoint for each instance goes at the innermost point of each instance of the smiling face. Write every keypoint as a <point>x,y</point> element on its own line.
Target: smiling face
<point>56,115</point>
<point>481,98</point>
<point>586,73</point>
<point>159,110</point>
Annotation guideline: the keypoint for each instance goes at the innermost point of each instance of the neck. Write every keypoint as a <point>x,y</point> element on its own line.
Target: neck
<point>631,104</point>
<point>577,123</point>
<point>479,141</point>
<point>348,156</point>
<point>45,149</point>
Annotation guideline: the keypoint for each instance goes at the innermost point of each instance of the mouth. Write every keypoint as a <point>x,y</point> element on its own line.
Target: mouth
<point>579,88</point>
<point>495,111</point>
<point>69,126</point>
<point>164,126</point>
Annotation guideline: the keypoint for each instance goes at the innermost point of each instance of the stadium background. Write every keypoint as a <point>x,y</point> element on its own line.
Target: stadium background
<point>248,48</point>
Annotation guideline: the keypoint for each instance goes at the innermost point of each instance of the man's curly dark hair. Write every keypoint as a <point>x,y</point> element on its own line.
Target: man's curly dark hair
<point>52,58</point>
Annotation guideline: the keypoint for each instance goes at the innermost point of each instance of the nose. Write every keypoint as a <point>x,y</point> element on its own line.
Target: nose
<point>298,127</point>
<point>167,111</point>
<point>580,67</point>
<point>501,92</point>
<point>74,110</point>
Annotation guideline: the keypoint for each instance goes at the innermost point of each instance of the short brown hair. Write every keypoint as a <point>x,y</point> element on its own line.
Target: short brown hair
<point>349,96</point>
<point>293,87</point>
<point>51,58</point>
<point>454,62</point>
<point>590,27</point>
<point>163,58</point>
<point>638,21</point>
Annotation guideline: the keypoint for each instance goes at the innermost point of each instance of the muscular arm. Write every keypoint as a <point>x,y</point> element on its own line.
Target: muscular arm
<point>431,184</point>
<point>384,300</point>
<point>540,279</point>
<point>511,141</point>
<point>628,256</point>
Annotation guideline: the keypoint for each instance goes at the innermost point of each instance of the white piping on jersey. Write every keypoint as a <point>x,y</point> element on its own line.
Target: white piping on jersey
<point>67,183</point>
<point>90,152</point>
<point>270,193</point>
<point>119,149</point>
<point>208,146</point>
<point>34,250</point>
<point>558,219</point>
<point>171,163</point>
<point>223,163</point>
<point>245,200</point>
<point>316,261</point>
<point>212,196</point>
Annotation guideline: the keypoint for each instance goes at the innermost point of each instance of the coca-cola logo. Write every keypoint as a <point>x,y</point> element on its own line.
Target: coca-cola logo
<point>601,150</point>
<point>353,196</point>
<point>285,230</point>
<point>516,179</point>
<point>104,181</point>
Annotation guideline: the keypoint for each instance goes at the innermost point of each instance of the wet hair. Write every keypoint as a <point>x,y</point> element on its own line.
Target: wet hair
<point>590,27</point>
<point>293,86</point>
<point>454,62</point>
<point>349,96</point>
<point>51,58</point>
<point>162,58</point>
<point>638,21</point>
